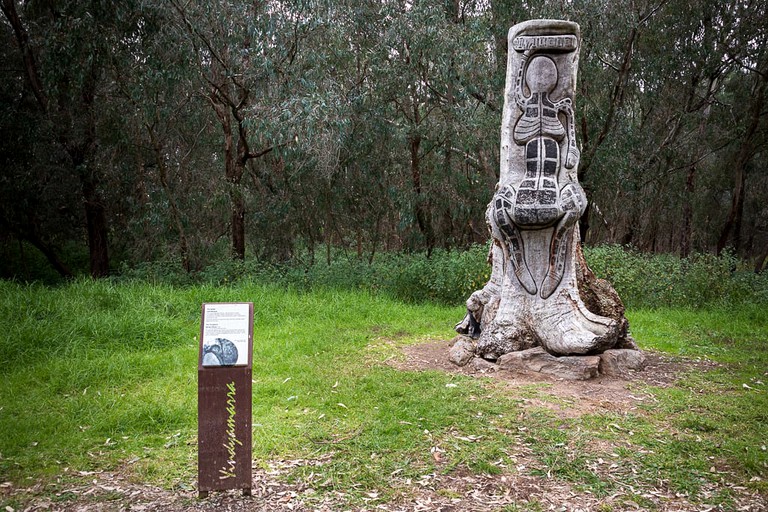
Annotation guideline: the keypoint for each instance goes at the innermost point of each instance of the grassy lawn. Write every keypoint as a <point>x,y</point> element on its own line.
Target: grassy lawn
<point>102,376</point>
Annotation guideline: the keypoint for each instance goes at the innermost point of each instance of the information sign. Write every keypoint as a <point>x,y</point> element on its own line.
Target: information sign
<point>224,397</point>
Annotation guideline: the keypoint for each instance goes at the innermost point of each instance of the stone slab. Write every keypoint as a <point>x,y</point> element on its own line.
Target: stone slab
<point>621,362</point>
<point>538,360</point>
<point>462,351</point>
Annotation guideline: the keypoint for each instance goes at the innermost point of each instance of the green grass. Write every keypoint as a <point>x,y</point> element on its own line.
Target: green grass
<point>99,375</point>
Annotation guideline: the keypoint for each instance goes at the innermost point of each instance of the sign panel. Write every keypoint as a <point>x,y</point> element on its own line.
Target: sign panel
<point>224,398</point>
<point>226,333</point>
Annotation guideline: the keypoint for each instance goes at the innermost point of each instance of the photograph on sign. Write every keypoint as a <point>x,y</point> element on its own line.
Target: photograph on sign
<point>225,334</point>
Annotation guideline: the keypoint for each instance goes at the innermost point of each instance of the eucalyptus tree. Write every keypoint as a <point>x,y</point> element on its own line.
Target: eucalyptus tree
<point>431,70</point>
<point>671,74</point>
<point>747,88</point>
<point>671,109</point>
<point>166,131</point>
<point>393,145</point>
<point>693,125</point>
<point>62,53</point>
<point>29,198</point>
<point>245,52</point>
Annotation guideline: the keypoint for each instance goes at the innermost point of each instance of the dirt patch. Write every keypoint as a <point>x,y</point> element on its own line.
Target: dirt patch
<point>574,398</point>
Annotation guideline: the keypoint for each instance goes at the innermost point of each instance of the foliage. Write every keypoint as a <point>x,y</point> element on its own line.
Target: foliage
<point>449,277</point>
<point>659,281</point>
<point>183,131</point>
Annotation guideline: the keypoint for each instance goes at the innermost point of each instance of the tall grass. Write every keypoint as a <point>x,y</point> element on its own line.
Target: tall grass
<point>102,375</point>
<point>449,277</point>
<point>97,372</point>
<point>653,281</point>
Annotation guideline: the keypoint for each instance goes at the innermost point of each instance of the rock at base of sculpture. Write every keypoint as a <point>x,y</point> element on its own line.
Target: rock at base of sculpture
<point>539,360</point>
<point>462,351</point>
<point>541,292</point>
<point>621,363</point>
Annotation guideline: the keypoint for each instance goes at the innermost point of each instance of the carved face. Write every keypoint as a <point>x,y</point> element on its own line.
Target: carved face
<point>541,75</point>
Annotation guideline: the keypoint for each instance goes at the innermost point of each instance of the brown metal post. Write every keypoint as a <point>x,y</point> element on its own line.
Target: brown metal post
<point>224,408</point>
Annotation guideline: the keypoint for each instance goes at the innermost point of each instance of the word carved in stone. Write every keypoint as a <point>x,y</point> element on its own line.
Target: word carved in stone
<point>567,43</point>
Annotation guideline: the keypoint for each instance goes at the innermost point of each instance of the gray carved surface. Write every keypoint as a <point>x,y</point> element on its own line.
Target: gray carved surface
<point>221,352</point>
<point>532,298</point>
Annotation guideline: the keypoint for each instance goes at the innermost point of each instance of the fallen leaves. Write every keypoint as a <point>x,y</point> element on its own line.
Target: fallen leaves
<point>310,485</point>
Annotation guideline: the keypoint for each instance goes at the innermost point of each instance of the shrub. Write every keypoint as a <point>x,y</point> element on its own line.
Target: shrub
<point>449,277</point>
<point>650,281</point>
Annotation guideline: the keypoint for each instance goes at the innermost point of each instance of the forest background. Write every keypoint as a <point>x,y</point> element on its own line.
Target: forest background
<point>187,133</point>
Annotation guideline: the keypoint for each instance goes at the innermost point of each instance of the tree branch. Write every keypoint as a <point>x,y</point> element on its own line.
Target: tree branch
<point>30,64</point>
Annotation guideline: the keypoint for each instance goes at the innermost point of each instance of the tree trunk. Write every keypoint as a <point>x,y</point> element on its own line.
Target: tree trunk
<point>238,224</point>
<point>234,167</point>
<point>616,101</point>
<point>96,221</point>
<point>746,151</point>
<point>698,155</point>
<point>761,261</point>
<point>30,234</point>
<point>30,63</point>
<point>690,189</point>
<point>421,207</point>
<point>541,291</point>
<point>80,151</point>
<point>176,216</point>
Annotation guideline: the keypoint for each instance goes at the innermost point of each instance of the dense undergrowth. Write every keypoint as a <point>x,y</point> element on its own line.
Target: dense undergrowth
<point>449,277</point>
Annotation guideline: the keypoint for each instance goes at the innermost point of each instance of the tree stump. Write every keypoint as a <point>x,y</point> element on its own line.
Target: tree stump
<point>541,292</point>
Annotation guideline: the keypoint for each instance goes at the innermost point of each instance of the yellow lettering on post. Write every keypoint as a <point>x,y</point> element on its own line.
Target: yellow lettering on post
<point>228,471</point>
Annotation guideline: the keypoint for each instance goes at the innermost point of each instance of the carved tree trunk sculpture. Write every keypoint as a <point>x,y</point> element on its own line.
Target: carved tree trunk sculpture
<point>541,292</point>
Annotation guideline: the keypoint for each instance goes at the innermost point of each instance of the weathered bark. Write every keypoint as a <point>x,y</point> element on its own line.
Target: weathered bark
<point>541,291</point>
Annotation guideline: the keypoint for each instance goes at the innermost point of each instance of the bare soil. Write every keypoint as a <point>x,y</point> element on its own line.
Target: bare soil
<point>457,490</point>
<point>579,397</point>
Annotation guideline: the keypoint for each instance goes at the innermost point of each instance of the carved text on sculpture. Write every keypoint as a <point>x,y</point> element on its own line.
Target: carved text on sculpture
<point>566,43</point>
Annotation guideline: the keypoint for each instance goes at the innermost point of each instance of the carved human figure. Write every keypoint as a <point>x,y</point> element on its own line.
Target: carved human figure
<point>545,196</point>
<point>541,292</point>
